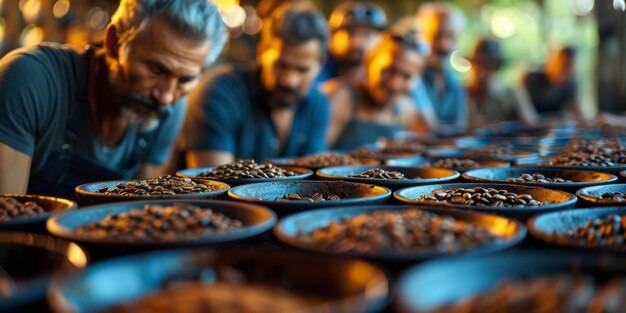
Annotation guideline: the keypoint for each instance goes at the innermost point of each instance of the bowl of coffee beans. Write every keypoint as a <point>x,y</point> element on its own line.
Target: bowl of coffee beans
<point>457,164</point>
<point>322,160</point>
<point>598,155</point>
<point>287,197</point>
<point>392,177</point>
<point>548,177</point>
<point>515,282</point>
<point>241,280</point>
<point>503,151</point>
<point>622,174</point>
<point>163,223</point>
<point>381,154</point>
<point>510,200</point>
<point>27,263</point>
<point>398,233</point>
<point>29,212</point>
<point>613,194</point>
<point>594,228</point>
<point>247,171</point>
<point>162,187</point>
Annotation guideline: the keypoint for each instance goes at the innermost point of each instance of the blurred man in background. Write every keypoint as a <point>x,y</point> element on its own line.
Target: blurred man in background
<point>441,24</point>
<point>270,109</point>
<point>377,105</point>
<point>353,25</point>
<point>69,117</point>
<point>490,101</point>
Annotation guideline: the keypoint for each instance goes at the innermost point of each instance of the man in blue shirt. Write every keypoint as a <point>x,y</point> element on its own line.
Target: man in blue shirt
<point>442,24</point>
<point>270,110</point>
<point>69,117</point>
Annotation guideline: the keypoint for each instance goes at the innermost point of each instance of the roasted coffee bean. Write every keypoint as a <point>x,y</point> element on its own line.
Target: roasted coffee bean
<point>161,223</point>
<point>613,196</point>
<point>561,293</point>
<point>162,185</point>
<point>398,231</point>
<point>591,153</point>
<point>247,169</point>
<point>501,149</point>
<point>326,160</point>
<point>379,173</point>
<point>312,198</point>
<point>364,153</point>
<point>537,178</point>
<point>604,232</point>
<point>403,146</point>
<point>482,197</point>
<point>11,208</point>
<point>452,163</point>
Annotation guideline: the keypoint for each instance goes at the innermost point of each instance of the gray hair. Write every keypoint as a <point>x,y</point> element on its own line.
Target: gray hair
<point>194,19</point>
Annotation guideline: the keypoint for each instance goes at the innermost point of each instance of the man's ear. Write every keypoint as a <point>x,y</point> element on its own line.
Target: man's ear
<point>111,42</point>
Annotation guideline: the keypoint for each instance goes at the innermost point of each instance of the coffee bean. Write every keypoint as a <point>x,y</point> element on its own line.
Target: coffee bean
<point>316,197</point>
<point>406,146</point>
<point>502,149</point>
<point>452,163</point>
<point>398,231</point>
<point>162,185</point>
<point>326,160</point>
<point>591,153</point>
<point>481,197</point>
<point>11,208</point>
<point>163,223</point>
<point>378,173</point>
<point>613,196</point>
<point>247,169</point>
<point>537,178</point>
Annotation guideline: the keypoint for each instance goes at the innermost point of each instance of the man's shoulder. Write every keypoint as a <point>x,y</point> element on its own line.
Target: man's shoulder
<point>44,54</point>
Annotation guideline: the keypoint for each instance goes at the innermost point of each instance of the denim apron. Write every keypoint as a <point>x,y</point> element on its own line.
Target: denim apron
<point>359,133</point>
<point>65,169</point>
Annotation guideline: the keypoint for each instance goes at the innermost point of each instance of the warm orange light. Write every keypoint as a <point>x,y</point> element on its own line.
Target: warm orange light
<point>61,8</point>
<point>31,35</point>
<point>76,256</point>
<point>339,42</point>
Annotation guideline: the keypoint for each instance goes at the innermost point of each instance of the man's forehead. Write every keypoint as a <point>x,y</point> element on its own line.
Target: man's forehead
<point>305,51</point>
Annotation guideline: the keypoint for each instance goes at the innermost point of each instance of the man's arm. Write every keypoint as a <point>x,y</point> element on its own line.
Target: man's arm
<point>204,158</point>
<point>14,170</point>
<point>340,103</point>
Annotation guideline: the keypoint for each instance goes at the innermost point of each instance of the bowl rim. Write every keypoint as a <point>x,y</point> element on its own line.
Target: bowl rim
<point>68,205</point>
<point>56,228</point>
<point>467,175</point>
<point>502,163</point>
<point>453,174</point>
<point>293,241</point>
<point>80,190</point>
<point>303,173</point>
<point>583,194</point>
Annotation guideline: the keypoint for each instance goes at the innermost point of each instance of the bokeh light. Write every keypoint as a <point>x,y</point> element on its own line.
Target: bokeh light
<point>234,16</point>
<point>61,8</point>
<point>502,26</point>
<point>459,63</point>
<point>97,18</point>
<point>31,35</point>
<point>30,10</point>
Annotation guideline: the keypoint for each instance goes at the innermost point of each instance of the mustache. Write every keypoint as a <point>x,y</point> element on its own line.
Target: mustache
<point>163,110</point>
<point>287,90</point>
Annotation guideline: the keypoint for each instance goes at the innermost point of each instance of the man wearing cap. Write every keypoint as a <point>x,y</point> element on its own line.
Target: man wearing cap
<point>267,110</point>
<point>490,101</point>
<point>353,26</point>
<point>69,116</point>
<point>376,105</point>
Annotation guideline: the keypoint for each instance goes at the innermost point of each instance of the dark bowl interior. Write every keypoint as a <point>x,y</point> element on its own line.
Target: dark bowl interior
<point>429,285</point>
<point>30,261</point>
<point>37,223</point>
<point>622,174</point>
<point>593,194</point>
<point>88,194</point>
<point>420,161</point>
<point>510,232</point>
<point>303,173</point>
<point>426,175</point>
<point>291,162</point>
<point>548,226</point>
<point>349,193</point>
<point>344,285</point>
<point>579,179</point>
<point>255,219</point>
<point>559,200</point>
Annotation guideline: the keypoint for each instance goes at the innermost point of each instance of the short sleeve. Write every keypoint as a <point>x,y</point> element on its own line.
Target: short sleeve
<point>162,143</point>
<point>23,94</point>
<point>215,113</point>
<point>320,118</point>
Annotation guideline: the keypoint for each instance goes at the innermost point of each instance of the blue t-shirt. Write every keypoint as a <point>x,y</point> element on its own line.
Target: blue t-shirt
<point>450,104</point>
<point>39,88</point>
<point>229,112</point>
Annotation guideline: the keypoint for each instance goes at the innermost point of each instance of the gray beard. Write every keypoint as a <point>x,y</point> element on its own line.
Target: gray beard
<point>145,122</point>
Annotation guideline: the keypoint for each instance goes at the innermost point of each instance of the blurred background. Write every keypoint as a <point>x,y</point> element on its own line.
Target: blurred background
<point>527,29</point>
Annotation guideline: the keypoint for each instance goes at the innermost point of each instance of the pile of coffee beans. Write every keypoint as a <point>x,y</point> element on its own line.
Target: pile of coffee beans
<point>161,223</point>
<point>537,178</point>
<point>503,149</point>
<point>219,297</point>
<point>364,153</point>
<point>613,196</point>
<point>480,196</point>
<point>159,186</point>
<point>398,231</point>
<point>407,146</point>
<point>326,160</point>
<point>560,293</point>
<point>312,198</point>
<point>453,163</point>
<point>604,232</point>
<point>379,173</point>
<point>591,153</point>
<point>247,169</point>
<point>11,208</point>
